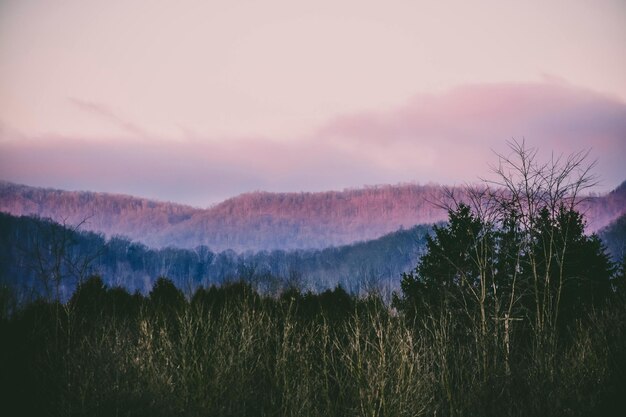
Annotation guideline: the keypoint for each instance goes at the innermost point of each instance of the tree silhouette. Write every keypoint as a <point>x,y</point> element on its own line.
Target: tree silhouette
<point>449,264</point>
<point>166,297</point>
<point>90,298</point>
<point>515,253</point>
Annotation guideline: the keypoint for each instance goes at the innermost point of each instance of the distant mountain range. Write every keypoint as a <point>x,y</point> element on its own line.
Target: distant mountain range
<point>261,220</point>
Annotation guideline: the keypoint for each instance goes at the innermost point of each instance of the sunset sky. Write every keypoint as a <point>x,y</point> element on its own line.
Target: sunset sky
<point>197,101</point>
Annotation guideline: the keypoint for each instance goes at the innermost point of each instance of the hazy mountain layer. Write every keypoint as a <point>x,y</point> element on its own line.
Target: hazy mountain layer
<point>34,251</point>
<point>261,220</point>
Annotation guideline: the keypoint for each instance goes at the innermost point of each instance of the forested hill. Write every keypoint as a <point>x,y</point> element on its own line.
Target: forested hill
<point>260,220</point>
<point>34,252</point>
<point>614,237</point>
<point>111,214</point>
<point>253,221</point>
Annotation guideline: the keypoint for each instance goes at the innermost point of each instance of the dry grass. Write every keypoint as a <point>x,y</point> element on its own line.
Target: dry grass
<point>264,357</point>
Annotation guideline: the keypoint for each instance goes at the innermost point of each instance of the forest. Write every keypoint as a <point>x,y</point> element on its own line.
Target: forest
<point>38,254</point>
<point>509,308</point>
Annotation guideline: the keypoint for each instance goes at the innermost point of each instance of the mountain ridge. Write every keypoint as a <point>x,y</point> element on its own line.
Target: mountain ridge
<point>261,220</point>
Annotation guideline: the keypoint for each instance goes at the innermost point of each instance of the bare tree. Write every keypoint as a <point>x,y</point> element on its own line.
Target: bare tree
<point>55,258</point>
<point>516,226</point>
<point>538,194</point>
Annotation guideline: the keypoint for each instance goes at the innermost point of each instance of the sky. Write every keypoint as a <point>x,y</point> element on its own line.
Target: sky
<point>198,101</point>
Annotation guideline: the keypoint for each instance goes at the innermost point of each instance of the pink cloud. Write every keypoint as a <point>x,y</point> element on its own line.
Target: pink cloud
<point>445,138</point>
<point>460,128</point>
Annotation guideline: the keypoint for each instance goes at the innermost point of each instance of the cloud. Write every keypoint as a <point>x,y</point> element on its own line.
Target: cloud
<point>445,138</point>
<point>105,113</point>
<point>452,135</point>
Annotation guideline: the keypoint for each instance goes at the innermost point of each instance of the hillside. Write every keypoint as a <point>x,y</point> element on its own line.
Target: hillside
<point>254,221</point>
<point>29,247</point>
<point>111,214</point>
<point>614,237</point>
<point>260,220</point>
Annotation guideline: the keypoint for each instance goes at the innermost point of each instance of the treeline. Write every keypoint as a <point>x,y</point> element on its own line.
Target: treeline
<point>40,257</point>
<point>229,351</point>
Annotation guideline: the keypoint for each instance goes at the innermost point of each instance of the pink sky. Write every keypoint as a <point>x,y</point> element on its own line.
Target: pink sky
<point>196,101</point>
